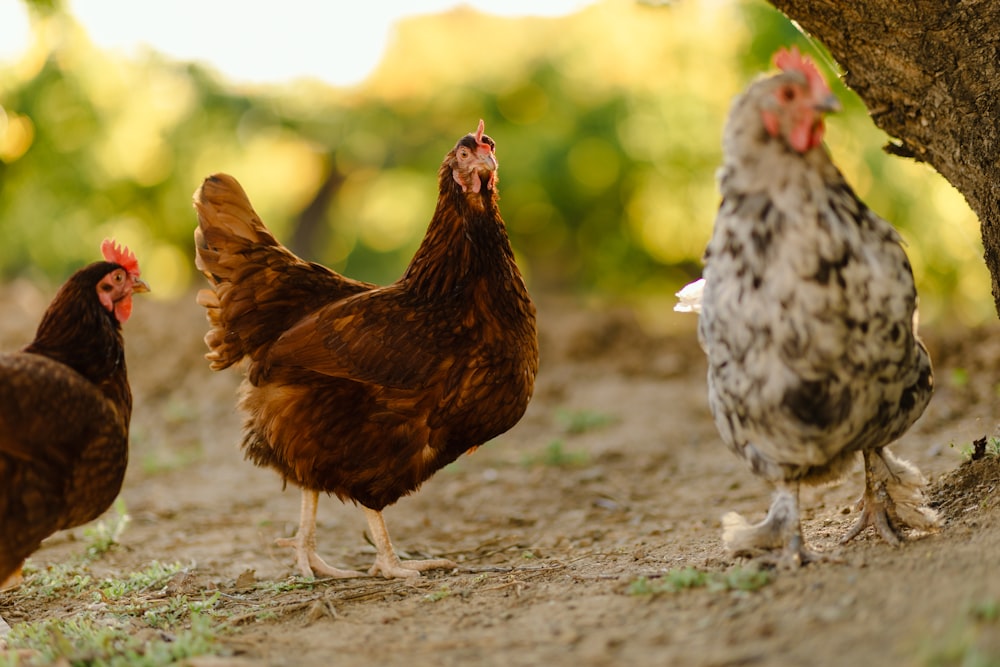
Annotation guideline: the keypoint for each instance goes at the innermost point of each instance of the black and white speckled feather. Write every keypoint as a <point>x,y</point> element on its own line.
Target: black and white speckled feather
<point>808,311</point>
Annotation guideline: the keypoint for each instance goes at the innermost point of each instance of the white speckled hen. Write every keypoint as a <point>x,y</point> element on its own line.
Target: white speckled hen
<point>808,318</point>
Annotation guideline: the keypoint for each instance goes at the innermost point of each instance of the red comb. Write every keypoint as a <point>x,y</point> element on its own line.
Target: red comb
<point>121,255</point>
<point>788,60</point>
<point>479,131</point>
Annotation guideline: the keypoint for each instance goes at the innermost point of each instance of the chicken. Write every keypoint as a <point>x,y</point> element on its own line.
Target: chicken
<point>65,406</point>
<point>808,318</point>
<point>364,391</point>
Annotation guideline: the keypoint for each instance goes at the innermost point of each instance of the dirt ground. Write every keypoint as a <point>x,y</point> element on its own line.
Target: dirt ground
<point>615,473</point>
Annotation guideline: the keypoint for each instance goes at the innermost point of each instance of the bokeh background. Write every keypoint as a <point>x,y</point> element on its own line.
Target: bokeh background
<point>607,116</point>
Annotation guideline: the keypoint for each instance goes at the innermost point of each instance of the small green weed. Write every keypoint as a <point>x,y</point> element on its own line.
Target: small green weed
<point>106,642</point>
<point>555,455</point>
<point>154,576</point>
<point>970,641</point>
<point>104,534</point>
<point>980,448</point>
<point>987,611</point>
<point>158,462</point>
<point>439,594</point>
<point>673,581</point>
<point>131,621</point>
<point>174,611</point>
<point>581,421</point>
<point>285,585</point>
<point>100,537</point>
<point>60,580</point>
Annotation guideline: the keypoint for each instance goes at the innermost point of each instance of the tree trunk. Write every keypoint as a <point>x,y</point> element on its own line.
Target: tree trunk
<point>929,72</point>
<point>308,234</point>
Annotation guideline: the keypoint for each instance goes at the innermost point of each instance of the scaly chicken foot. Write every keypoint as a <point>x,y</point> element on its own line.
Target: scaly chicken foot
<point>780,529</point>
<point>387,562</point>
<point>876,508</point>
<point>795,554</point>
<point>304,543</point>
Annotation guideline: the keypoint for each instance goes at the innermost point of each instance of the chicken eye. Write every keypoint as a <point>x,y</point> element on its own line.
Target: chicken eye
<point>788,93</point>
<point>463,153</point>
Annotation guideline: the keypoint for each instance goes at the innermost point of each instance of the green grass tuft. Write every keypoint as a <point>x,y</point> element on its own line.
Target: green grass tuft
<point>154,576</point>
<point>980,448</point>
<point>439,594</point>
<point>132,619</point>
<point>87,639</point>
<point>581,421</point>
<point>555,455</point>
<point>104,534</point>
<point>959,377</point>
<point>970,641</point>
<point>673,581</point>
<point>61,580</point>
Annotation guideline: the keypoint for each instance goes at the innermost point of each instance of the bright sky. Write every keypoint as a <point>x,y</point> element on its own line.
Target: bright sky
<point>338,41</point>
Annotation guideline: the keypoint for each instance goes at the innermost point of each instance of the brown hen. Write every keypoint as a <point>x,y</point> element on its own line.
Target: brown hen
<point>365,391</point>
<point>65,405</point>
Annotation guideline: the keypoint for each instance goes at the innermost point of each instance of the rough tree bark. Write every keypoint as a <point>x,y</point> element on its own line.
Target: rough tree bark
<point>929,73</point>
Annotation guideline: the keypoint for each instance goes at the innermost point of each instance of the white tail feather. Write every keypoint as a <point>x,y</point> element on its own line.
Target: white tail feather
<point>690,297</point>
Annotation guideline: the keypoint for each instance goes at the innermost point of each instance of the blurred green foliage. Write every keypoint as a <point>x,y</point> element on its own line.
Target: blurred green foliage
<point>607,124</point>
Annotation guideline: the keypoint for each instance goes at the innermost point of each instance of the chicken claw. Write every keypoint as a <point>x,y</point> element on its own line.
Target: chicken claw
<point>884,475</point>
<point>874,506</point>
<point>392,568</point>
<point>780,529</point>
<point>893,499</point>
<point>304,543</point>
<point>387,562</point>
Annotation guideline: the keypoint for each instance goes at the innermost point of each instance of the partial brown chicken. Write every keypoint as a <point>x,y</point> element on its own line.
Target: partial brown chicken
<point>808,317</point>
<point>365,391</point>
<point>65,405</point>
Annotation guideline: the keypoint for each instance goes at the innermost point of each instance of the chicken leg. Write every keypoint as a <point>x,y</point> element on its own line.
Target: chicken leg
<point>876,507</point>
<point>781,528</point>
<point>387,562</point>
<point>304,543</point>
<point>894,499</point>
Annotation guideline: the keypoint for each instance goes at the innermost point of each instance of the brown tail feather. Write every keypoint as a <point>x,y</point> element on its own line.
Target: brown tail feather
<point>259,288</point>
<point>227,224</point>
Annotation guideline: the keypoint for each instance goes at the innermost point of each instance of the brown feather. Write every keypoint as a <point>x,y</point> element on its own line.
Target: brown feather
<point>65,406</point>
<point>366,391</point>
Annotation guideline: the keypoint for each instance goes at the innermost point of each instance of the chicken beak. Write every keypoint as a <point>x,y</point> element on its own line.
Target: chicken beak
<point>488,161</point>
<point>829,104</point>
<point>139,286</point>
